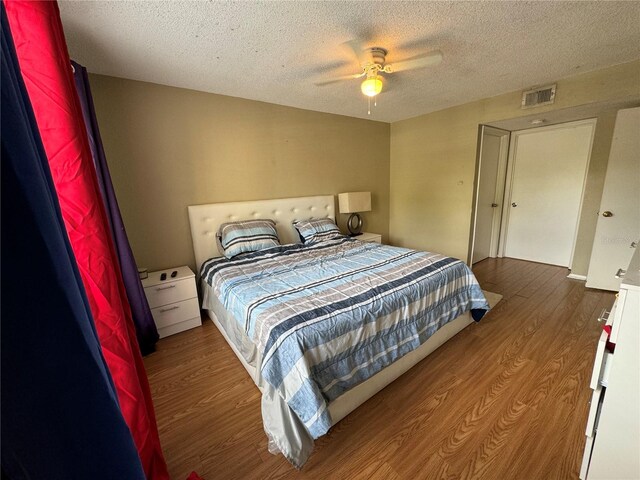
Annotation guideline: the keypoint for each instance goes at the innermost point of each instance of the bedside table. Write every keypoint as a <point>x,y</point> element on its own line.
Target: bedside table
<point>174,301</point>
<point>369,237</point>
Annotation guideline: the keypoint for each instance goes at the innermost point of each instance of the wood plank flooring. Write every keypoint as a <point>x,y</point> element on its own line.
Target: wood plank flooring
<point>507,398</point>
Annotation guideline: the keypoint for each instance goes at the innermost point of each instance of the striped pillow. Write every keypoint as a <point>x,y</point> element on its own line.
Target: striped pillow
<point>316,229</point>
<point>247,236</point>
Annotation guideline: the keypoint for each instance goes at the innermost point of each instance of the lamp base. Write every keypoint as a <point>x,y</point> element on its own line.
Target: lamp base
<point>354,224</point>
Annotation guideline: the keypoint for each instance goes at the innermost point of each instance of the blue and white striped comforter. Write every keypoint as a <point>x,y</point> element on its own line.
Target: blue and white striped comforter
<point>327,316</point>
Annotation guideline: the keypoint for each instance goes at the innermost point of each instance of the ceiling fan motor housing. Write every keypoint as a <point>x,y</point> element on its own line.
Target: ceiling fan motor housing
<point>378,55</point>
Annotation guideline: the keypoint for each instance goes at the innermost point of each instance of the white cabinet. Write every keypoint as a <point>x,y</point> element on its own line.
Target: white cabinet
<point>370,237</point>
<point>613,427</point>
<point>173,301</point>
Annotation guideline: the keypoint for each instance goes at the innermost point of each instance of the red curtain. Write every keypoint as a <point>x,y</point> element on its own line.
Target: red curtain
<point>46,68</point>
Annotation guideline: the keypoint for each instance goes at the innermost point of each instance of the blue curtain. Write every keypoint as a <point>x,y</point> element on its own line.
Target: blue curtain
<point>146,331</point>
<point>60,413</point>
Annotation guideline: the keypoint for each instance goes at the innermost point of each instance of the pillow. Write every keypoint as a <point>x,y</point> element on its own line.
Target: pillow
<point>246,236</point>
<point>316,229</point>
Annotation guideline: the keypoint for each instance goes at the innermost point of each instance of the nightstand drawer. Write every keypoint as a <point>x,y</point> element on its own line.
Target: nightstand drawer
<point>175,313</point>
<point>179,327</point>
<point>171,292</point>
<point>370,237</point>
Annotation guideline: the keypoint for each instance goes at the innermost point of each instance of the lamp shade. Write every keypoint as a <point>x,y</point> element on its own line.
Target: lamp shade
<point>354,202</point>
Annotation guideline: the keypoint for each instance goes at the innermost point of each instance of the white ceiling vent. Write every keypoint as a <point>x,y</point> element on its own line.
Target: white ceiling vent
<point>539,96</point>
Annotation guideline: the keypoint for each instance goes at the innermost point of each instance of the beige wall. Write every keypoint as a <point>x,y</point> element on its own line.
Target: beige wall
<point>433,162</point>
<point>168,148</point>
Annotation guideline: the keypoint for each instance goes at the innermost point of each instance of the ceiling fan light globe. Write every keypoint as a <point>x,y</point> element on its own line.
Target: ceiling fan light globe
<point>371,86</point>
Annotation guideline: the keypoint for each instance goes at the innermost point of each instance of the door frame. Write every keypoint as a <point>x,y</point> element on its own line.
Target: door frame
<point>513,147</point>
<point>499,194</point>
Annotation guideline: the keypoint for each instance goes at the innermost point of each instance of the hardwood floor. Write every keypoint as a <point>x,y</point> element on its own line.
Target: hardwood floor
<point>507,398</point>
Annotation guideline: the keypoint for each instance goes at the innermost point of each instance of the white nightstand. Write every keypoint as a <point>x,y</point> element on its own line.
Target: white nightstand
<point>173,301</point>
<point>369,237</point>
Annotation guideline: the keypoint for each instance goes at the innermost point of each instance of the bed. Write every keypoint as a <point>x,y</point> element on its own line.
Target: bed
<point>322,327</point>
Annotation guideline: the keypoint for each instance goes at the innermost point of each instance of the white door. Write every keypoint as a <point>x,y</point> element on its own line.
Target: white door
<point>548,169</point>
<point>491,175</point>
<point>619,217</point>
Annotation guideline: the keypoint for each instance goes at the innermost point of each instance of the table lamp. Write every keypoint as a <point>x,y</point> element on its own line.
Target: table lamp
<point>354,203</point>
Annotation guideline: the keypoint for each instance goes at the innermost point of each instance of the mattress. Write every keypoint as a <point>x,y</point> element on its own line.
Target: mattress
<point>315,321</point>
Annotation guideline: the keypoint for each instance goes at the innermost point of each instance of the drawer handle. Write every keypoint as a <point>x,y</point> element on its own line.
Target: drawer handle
<point>165,288</point>
<point>175,307</point>
<point>604,315</point>
<point>620,273</point>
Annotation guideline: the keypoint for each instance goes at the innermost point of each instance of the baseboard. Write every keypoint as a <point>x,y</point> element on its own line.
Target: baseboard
<point>577,277</point>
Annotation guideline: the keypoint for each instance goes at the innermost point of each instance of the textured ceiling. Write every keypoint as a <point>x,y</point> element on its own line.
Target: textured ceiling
<point>275,51</point>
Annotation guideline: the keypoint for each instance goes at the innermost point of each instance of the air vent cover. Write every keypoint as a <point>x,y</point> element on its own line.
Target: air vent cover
<point>539,96</point>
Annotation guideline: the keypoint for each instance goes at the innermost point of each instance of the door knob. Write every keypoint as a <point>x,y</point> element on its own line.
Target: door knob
<point>607,214</point>
<point>494,205</point>
<point>514,204</point>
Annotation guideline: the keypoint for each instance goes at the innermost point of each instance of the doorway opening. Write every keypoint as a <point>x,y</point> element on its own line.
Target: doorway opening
<point>528,192</point>
<point>489,190</point>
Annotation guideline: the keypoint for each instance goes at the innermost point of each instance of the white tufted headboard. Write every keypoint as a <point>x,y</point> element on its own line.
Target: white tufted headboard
<point>205,219</point>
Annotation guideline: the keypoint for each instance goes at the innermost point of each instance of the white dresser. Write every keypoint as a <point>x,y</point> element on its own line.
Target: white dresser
<point>612,450</point>
<point>173,301</point>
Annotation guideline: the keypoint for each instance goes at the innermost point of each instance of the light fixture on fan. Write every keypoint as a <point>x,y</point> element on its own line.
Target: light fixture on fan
<point>372,85</point>
<point>372,62</point>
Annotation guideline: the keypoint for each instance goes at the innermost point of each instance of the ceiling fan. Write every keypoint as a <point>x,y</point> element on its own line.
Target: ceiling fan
<point>373,63</point>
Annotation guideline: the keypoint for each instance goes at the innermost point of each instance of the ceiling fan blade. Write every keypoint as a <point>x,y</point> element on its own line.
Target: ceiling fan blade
<point>340,79</point>
<point>363,55</point>
<point>419,61</point>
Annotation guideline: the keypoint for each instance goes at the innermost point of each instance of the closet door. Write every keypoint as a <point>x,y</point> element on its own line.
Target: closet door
<point>490,192</point>
<point>548,170</point>
<point>618,227</point>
